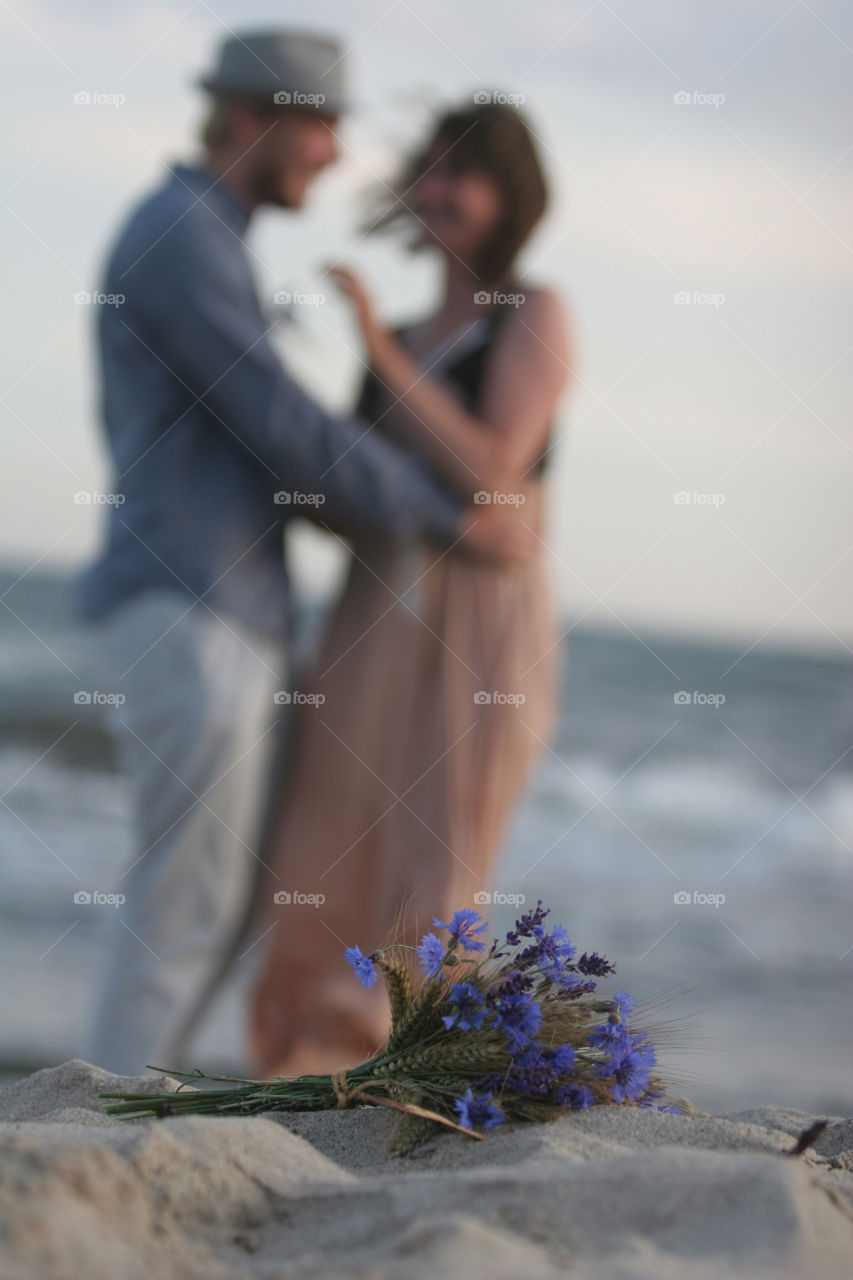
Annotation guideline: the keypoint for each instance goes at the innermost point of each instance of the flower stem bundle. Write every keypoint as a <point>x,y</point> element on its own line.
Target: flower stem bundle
<point>480,1037</point>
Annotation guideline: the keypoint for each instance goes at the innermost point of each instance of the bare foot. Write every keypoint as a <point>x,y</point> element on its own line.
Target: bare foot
<point>307,1059</point>
<point>335,1028</point>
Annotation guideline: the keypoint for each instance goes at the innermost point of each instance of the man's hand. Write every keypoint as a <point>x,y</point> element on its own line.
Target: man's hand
<point>506,532</point>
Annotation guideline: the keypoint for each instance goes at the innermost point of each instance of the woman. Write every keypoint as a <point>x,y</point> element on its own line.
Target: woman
<point>437,671</point>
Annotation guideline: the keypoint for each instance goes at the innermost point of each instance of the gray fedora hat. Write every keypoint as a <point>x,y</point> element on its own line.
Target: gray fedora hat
<point>291,68</point>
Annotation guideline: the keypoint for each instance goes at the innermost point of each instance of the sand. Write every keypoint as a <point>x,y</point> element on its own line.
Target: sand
<point>610,1193</point>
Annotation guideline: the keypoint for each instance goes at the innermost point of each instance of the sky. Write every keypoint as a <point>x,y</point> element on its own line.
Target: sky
<point>695,151</point>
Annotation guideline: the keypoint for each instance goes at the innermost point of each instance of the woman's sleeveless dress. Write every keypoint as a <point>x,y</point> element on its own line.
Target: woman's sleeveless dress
<point>438,674</point>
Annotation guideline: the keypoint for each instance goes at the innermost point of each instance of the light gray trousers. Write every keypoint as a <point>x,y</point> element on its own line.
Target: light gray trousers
<point>197,737</point>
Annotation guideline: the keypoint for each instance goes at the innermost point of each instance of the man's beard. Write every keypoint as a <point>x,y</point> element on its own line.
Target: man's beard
<point>269,186</point>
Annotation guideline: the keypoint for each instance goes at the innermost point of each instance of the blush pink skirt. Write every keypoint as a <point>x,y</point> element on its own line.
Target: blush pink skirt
<point>431,694</point>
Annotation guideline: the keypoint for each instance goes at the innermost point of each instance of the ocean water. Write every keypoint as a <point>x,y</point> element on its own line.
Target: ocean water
<point>692,820</point>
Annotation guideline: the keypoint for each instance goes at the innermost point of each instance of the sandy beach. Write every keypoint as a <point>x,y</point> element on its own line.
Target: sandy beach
<point>612,1192</point>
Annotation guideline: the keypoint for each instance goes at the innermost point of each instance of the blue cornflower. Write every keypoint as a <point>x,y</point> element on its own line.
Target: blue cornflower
<point>632,1071</point>
<point>555,949</point>
<point>363,966</point>
<point>551,952</point>
<point>623,1004</point>
<point>462,928</point>
<point>537,1070</point>
<point>470,1010</point>
<point>562,1058</point>
<point>431,954</point>
<point>518,1016</point>
<point>613,1036</point>
<point>576,1096</point>
<point>530,1056</point>
<point>609,1036</point>
<point>473,1111</point>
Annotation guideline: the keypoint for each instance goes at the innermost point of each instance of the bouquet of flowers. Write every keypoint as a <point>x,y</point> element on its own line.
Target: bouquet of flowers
<point>478,1038</point>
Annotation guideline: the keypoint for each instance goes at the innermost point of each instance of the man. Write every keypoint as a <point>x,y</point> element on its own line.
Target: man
<point>213,447</point>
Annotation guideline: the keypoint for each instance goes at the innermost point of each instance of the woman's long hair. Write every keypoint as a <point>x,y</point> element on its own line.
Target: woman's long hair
<point>491,138</point>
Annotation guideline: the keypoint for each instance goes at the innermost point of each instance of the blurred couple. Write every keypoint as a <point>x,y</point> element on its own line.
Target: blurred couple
<point>381,799</point>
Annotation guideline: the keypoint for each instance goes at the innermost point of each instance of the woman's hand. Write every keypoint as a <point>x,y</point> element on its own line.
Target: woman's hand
<point>352,288</point>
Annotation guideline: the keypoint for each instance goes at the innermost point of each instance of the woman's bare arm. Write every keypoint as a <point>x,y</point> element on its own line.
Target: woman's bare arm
<point>528,369</point>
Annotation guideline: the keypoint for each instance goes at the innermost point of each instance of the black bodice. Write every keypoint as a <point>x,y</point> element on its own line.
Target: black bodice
<point>465,373</point>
